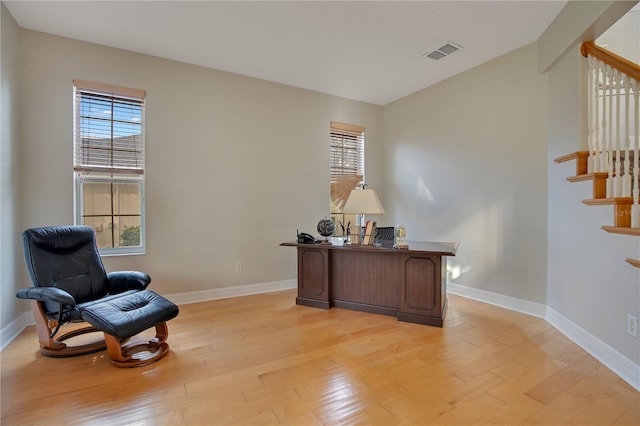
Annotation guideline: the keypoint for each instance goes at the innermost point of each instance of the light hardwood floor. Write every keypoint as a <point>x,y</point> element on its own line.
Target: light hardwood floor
<point>263,360</point>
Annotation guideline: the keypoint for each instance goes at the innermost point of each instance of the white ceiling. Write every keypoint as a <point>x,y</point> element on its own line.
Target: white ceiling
<point>368,51</point>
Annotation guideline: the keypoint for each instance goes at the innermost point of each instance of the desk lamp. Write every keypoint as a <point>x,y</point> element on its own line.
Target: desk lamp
<point>363,201</point>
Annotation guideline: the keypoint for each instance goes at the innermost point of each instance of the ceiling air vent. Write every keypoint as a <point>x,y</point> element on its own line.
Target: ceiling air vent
<point>443,51</point>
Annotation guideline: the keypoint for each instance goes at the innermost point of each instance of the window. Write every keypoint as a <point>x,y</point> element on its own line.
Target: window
<point>108,165</point>
<point>346,157</point>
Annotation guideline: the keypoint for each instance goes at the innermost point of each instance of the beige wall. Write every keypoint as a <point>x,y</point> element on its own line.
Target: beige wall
<point>234,165</point>
<point>578,21</point>
<point>466,161</point>
<point>589,282</point>
<point>10,252</point>
<point>623,37</point>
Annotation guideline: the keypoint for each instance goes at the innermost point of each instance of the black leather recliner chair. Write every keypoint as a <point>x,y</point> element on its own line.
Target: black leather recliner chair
<point>71,285</point>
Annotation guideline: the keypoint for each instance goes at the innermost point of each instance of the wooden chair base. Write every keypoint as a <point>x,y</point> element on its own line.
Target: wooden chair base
<point>57,348</point>
<point>137,354</point>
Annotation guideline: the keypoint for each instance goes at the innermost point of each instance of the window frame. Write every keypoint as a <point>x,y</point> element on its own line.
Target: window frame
<point>88,174</point>
<point>79,196</point>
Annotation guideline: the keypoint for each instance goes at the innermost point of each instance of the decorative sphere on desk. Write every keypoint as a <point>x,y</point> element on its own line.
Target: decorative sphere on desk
<point>326,227</point>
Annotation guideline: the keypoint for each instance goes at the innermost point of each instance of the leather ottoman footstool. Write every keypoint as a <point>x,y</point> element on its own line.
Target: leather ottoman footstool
<point>124,317</point>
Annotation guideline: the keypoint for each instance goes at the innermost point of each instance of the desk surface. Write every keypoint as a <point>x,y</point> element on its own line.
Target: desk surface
<point>428,247</point>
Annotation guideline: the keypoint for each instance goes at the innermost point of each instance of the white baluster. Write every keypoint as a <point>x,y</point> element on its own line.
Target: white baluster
<point>635,211</point>
<point>591,99</point>
<point>616,115</point>
<point>626,181</point>
<point>606,131</point>
<point>598,75</point>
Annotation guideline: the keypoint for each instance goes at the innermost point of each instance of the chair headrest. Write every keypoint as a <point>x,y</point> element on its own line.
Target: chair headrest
<point>60,239</point>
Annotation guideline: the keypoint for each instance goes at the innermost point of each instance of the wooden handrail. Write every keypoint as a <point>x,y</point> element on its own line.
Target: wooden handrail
<point>618,62</point>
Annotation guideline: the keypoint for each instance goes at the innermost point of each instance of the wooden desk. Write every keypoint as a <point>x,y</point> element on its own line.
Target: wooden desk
<point>409,284</point>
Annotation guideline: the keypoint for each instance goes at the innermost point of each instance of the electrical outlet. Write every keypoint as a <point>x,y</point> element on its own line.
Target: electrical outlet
<point>238,266</point>
<point>632,325</point>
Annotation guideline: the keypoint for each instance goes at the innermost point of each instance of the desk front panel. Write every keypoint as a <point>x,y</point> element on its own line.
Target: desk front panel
<point>423,290</point>
<point>313,277</point>
<point>368,281</point>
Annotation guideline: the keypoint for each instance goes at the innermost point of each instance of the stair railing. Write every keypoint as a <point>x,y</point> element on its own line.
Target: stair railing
<point>614,123</point>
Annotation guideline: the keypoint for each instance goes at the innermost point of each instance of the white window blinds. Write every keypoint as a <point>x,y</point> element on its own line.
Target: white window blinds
<point>346,150</point>
<point>109,129</point>
<point>346,158</point>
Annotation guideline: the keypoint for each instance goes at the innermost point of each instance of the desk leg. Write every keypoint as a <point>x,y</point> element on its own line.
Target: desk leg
<point>423,294</point>
<point>313,277</point>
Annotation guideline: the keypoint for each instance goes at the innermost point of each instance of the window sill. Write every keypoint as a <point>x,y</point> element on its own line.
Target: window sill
<point>118,253</point>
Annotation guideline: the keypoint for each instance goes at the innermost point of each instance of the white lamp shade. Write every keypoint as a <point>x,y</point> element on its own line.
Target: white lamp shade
<point>363,201</point>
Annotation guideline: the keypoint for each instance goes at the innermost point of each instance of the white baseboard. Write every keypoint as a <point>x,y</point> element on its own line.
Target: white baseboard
<point>626,369</point>
<point>14,328</point>
<point>227,292</point>
<point>524,306</point>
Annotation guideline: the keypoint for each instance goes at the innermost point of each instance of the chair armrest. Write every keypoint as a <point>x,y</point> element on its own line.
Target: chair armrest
<point>47,294</point>
<point>120,281</point>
